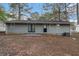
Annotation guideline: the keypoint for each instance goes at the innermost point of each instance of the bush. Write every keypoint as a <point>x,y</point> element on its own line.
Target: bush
<point>66,34</point>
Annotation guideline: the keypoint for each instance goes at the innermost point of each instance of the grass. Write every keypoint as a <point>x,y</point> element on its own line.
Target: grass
<point>44,45</point>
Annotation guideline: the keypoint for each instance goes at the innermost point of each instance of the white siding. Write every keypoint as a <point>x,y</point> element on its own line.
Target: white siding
<point>38,28</point>
<point>53,29</point>
<point>77,28</point>
<point>17,28</point>
<point>2,26</point>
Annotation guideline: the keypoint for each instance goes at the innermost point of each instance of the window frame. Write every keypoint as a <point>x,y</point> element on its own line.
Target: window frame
<point>31,27</point>
<point>45,28</point>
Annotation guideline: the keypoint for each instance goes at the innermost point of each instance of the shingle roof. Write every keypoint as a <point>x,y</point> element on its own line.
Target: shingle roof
<point>37,22</point>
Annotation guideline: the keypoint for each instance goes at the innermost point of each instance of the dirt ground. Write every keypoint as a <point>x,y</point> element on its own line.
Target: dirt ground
<point>42,45</point>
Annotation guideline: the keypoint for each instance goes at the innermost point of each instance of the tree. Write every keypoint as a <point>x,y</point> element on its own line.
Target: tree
<point>19,9</point>
<point>58,10</point>
<point>35,16</point>
<point>46,16</point>
<point>77,13</point>
<point>2,13</point>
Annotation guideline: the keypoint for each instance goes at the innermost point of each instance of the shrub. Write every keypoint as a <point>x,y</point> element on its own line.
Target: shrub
<point>66,34</point>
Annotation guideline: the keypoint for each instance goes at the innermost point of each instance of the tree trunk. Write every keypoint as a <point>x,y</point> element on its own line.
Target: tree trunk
<point>19,12</point>
<point>77,15</point>
<point>65,11</point>
<point>59,11</point>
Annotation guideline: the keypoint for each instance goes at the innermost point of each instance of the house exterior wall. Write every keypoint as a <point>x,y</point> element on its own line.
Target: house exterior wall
<point>52,29</point>
<point>77,28</point>
<point>58,29</point>
<point>39,28</point>
<point>2,26</point>
<point>17,28</point>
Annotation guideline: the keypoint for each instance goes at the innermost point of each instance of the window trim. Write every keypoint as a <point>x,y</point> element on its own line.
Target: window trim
<point>45,27</point>
<point>30,28</point>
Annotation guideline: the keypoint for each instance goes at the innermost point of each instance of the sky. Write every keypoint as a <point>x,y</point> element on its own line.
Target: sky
<point>36,7</point>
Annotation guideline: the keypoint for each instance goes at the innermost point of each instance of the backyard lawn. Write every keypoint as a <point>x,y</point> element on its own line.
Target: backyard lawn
<point>40,45</point>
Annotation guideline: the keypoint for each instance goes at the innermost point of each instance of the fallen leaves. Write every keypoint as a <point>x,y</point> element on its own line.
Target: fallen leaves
<point>37,45</point>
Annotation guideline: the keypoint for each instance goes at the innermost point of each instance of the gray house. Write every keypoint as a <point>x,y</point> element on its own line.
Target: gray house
<point>37,26</point>
<point>2,27</point>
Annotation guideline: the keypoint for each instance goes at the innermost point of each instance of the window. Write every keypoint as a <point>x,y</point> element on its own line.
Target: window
<point>31,28</point>
<point>45,28</point>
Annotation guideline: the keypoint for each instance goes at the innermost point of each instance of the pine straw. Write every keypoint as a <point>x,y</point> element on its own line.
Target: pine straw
<point>44,45</point>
